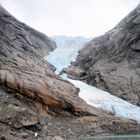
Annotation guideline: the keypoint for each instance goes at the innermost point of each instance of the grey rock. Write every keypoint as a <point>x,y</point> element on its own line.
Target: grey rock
<point>29,89</point>
<point>16,116</point>
<point>58,138</point>
<point>112,61</point>
<point>24,71</point>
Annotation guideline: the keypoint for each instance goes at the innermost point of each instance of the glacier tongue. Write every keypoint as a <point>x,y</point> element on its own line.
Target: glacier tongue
<point>67,49</point>
<point>106,101</point>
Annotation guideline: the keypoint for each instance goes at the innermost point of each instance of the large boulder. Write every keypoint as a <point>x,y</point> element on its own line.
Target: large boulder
<point>112,61</point>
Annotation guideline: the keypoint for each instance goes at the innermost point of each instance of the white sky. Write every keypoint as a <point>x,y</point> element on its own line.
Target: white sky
<point>88,18</point>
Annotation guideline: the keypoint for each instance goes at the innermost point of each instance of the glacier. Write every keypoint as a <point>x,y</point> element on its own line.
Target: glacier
<point>66,52</point>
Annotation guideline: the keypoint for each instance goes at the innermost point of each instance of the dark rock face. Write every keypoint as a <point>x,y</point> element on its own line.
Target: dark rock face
<point>112,61</point>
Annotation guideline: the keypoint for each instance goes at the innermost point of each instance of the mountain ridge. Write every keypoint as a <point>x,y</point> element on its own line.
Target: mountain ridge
<point>112,61</point>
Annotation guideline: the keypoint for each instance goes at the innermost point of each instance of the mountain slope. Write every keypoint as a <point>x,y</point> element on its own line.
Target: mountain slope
<point>32,96</point>
<point>24,71</point>
<point>66,51</point>
<point>63,55</point>
<point>112,61</point>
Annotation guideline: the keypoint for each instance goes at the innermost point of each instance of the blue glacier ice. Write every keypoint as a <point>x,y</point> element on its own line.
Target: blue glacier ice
<point>61,57</point>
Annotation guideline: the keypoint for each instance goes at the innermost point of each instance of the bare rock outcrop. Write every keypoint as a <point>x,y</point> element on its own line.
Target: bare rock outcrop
<point>31,95</point>
<point>19,119</point>
<point>112,61</point>
<point>24,71</point>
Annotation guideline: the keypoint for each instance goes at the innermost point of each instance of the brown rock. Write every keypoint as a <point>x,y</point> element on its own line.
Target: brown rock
<point>30,90</point>
<point>24,71</point>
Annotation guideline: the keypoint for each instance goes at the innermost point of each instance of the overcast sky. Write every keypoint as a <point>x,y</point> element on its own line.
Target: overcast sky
<point>88,18</point>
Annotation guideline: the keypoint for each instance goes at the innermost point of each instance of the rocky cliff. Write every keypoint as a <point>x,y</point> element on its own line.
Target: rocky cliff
<point>24,71</point>
<point>31,95</point>
<point>112,61</point>
<point>66,51</point>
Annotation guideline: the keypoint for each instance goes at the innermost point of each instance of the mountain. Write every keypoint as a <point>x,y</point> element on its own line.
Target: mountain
<point>112,61</point>
<point>66,51</point>
<point>35,103</point>
<point>61,58</point>
<point>26,75</point>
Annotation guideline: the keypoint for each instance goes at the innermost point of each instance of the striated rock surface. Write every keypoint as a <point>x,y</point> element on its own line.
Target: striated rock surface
<point>19,120</point>
<point>24,71</point>
<point>32,96</point>
<point>112,61</point>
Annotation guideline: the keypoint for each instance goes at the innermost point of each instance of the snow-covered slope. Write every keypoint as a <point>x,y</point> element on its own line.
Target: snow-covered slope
<point>66,51</point>
<point>63,55</point>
